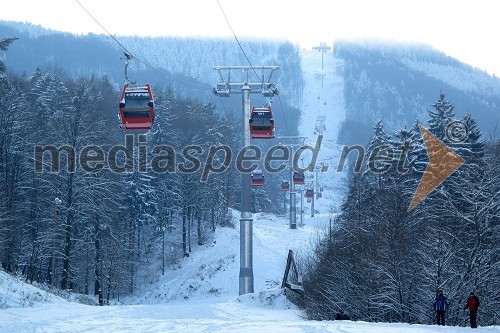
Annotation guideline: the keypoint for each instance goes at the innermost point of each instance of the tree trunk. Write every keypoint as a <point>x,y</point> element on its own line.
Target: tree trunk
<point>108,290</point>
<point>97,244</point>
<point>67,234</point>
<point>132,257</point>
<point>33,257</point>
<point>163,250</point>
<point>212,216</point>
<point>67,252</point>
<point>87,265</point>
<point>184,238</point>
<point>101,272</point>
<point>198,227</point>
<point>190,221</point>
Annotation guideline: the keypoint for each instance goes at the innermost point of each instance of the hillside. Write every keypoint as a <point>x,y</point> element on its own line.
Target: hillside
<point>211,270</point>
<point>397,83</point>
<point>324,101</point>
<point>194,308</point>
<point>15,293</point>
<point>186,64</point>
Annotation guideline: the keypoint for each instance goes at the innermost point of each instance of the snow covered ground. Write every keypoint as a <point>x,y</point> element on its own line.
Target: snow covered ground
<point>212,269</point>
<point>15,293</point>
<point>324,97</point>
<point>224,316</point>
<point>200,294</point>
<point>182,300</point>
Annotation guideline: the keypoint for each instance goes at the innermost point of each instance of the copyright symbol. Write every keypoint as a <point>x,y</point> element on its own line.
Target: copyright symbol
<point>457,131</point>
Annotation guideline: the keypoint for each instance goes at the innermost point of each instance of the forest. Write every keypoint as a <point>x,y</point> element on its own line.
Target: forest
<point>381,261</point>
<point>94,231</point>
<point>396,81</point>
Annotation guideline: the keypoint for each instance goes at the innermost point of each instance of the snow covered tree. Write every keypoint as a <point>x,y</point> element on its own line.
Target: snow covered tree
<point>388,262</point>
<point>4,45</point>
<point>441,116</point>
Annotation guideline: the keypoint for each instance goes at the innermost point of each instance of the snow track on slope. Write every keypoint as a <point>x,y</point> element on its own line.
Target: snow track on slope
<point>324,96</point>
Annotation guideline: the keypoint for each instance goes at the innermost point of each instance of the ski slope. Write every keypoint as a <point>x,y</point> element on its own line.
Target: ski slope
<point>324,97</point>
<point>200,293</point>
<point>212,270</point>
<point>230,316</point>
<point>181,300</point>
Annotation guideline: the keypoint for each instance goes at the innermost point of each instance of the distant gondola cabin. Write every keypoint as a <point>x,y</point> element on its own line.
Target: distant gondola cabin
<point>285,185</point>
<point>257,178</point>
<point>298,178</point>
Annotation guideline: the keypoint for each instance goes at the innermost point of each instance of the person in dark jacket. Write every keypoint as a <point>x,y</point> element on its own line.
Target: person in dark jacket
<point>440,306</point>
<point>473,305</point>
<point>342,316</point>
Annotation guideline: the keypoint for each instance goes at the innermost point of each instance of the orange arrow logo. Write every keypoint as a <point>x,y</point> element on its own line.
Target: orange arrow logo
<point>442,162</point>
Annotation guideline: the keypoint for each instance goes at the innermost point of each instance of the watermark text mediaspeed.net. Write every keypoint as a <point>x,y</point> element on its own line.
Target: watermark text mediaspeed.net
<point>135,155</point>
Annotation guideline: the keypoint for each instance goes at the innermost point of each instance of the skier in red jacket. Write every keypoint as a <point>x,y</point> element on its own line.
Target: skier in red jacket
<point>473,305</point>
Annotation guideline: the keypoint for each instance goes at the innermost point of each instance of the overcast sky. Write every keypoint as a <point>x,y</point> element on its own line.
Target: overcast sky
<point>466,30</point>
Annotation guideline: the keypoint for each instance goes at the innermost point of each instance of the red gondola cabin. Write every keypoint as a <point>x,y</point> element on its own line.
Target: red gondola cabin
<point>257,178</point>
<point>285,185</point>
<point>309,193</point>
<point>298,178</point>
<point>261,123</point>
<point>137,108</point>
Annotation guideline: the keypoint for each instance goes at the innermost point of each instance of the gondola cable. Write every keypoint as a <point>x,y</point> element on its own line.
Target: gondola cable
<point>169,74</point>
<point>248,60</point>
<point>237,40</point>
<point>104,28</point>
<point>139,59</point>
<point>284,116</point>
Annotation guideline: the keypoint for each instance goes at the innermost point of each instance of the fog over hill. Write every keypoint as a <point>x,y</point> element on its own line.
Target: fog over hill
<point>397,83</point>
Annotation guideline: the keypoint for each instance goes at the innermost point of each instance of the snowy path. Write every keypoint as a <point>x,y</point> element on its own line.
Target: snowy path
<point>182,300</point>
<point>324,96</point>
<point>222,317</point>
<point>212,269</point>
<point>264,311</point>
